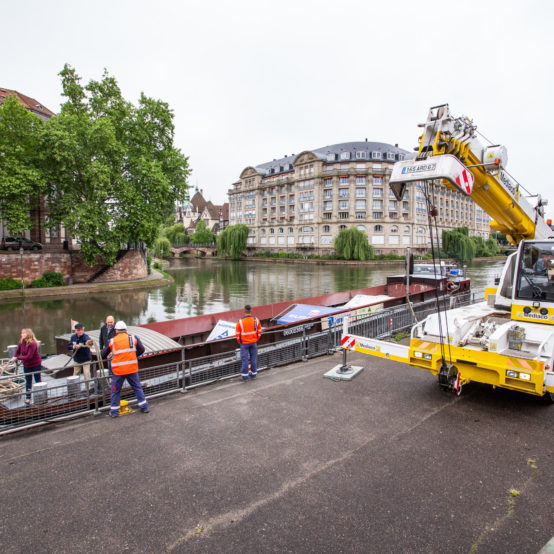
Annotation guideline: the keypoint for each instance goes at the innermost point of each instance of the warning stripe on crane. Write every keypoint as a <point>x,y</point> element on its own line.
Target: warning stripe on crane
<point>348,342</point>
<point>518,363</point>
<point>465,181</point>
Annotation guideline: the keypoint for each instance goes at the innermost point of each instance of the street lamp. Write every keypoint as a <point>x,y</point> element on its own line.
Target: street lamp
<point>21,264</point>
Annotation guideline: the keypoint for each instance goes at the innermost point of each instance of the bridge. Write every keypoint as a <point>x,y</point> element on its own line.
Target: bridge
<point>197,249</point>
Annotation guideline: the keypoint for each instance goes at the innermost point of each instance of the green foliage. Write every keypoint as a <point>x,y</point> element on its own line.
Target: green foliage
<point>49,279</point>
<point>162,248</point>
<point>202,235</point>
<point>390,257</point>
<point>352,244</point>
<point>9,284</point>
<point>21,177</point>
<point>176,234</point>
<point>112,167</point>
<point>232,241</point>
<point>457,244</point>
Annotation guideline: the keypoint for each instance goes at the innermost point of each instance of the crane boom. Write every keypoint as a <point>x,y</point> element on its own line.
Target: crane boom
<point>449,150</point>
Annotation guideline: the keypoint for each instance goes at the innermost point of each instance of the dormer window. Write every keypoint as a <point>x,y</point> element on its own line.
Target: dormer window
<point>361,155</point>
<point>376,155</point>
<point>345,155</point>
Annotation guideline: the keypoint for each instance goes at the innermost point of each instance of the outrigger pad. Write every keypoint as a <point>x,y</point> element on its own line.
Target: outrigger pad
<point>337,373</point>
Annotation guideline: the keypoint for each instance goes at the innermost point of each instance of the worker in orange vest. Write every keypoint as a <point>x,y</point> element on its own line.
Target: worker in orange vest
<point>124,350</point>
<point>248,333</point>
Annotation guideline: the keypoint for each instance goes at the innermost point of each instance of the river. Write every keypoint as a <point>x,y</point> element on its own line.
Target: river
<point>201,286</point>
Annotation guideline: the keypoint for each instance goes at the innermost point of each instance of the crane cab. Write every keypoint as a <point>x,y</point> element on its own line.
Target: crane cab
<point>533,286</point>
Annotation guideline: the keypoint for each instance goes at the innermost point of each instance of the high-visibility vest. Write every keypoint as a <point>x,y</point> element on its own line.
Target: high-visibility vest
<point>124,349</point>
<point>248,330</point>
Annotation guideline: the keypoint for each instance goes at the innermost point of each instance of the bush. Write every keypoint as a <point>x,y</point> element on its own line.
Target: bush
<point>54,278</point>
<point>9,284</point>
<point>49,279</point>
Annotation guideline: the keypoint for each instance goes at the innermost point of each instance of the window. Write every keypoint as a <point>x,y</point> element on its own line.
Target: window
<point>405,206</point>
<point>377,180</point>
<point>327,215</point>
<point>394,229</point>
<point>360,215</point>
<point>326,228</point>
<point>360,180</point>
<point>360,204</point>
<point>393,205</point>
<point>376,155</point>
<point>406,228</point>
<point>361,228</point>
<point>329,167</point>
<point>377,204</point>
<point>378,193</point>
<point>281,230</point>
<point>343,193</point>
<point>360,155</point>
<point>307,230</point>
<point>328,206</point>
<point>291,230</point>
<point>377,228</point>
<point>361,192</point>
<point>343,204</point>
<point>390,156</point>
<point>328,182</point>
<point>345,155</point>
<point>341,227</point>
<point>377,215</point>
<point>326,240</point>
<point>344,180</point>
<point>343,215</point>
<point>331,157</point>
<point>328,193</point>
<point>272,231</point>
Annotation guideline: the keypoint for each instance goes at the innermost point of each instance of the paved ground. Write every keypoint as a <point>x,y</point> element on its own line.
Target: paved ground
<point>290,462</point>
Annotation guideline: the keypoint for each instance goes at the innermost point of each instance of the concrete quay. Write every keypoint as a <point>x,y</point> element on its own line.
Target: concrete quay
<point>291,462</point>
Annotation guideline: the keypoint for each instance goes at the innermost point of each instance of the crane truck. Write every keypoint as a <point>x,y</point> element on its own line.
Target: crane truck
<point>507,340</point>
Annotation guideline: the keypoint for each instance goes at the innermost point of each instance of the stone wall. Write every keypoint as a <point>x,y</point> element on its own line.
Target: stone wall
<point>70,264</point>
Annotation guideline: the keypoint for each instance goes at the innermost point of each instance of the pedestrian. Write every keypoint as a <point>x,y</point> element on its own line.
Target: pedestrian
<point>107,332</point>
<point>248,332</point>
<point>79,344</point>
<point>124,351</point>
<point>27,352</point>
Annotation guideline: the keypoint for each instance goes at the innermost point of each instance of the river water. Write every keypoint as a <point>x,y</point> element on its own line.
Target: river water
<point>201,286</point>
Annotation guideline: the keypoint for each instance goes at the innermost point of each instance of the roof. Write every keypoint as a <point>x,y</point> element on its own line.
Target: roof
<point>153,341</point>
<point>212,210</point>
<point>198,201</point>
<point>30,103</point>
<point>335,150</point>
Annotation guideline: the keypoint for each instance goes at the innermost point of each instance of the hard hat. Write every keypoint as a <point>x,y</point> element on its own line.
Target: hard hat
<point>120,326</point>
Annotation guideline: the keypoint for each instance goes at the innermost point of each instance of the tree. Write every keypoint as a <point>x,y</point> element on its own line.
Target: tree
<point>21,178</point>
<point>202,235</point>
<point>162,248</point>
<point>352,244</point>
<point>112,166</point>
<point>176,234</point>
<point>457,244</point>
<point>232,241</point>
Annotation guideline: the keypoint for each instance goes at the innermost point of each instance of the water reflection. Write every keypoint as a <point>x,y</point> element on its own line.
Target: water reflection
<point>201,286</point>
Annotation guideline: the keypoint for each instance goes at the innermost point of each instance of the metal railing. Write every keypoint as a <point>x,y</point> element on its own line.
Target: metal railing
<point>59,398</point>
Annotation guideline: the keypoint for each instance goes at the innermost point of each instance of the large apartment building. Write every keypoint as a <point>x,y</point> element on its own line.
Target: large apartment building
<point>301,202</point>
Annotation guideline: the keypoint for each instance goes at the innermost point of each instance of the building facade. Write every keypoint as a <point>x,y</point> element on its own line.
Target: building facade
<point>190,212</point>
<point>301,202</point>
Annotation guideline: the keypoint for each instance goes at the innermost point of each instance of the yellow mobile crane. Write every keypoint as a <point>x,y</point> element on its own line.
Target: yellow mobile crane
<point>507,340</point>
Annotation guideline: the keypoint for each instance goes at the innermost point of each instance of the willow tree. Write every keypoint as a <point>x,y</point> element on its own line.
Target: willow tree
<point>458,244</point>
<point>352,244</point>
<point>232,241</point>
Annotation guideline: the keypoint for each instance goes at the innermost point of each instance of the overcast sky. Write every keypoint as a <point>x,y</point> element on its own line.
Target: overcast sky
<point>251,80</point>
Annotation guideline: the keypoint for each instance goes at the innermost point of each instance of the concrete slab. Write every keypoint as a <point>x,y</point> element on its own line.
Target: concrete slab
<point>290,462</point>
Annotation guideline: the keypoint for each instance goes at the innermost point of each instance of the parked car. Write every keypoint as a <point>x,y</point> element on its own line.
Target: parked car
<point>11,243</point>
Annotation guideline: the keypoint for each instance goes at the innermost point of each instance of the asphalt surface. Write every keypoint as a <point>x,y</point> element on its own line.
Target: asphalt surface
<point>291,462</point>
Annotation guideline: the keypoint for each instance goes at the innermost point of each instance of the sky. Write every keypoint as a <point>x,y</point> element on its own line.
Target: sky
<point>250,80</point>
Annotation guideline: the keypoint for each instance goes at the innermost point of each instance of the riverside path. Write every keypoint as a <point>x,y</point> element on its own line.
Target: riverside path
<point>291,462</point>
